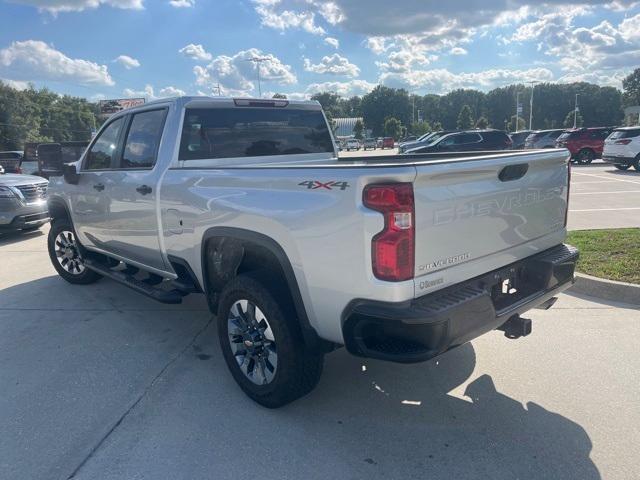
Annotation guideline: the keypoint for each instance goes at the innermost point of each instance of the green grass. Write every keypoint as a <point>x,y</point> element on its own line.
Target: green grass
<point>612,254</point>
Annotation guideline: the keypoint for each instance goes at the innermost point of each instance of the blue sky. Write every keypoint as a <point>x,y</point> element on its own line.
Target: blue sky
<point>154,48</point>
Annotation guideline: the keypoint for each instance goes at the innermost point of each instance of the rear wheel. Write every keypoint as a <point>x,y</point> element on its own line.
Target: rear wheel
<point>585,156</point>
<point>262,343</point>
<point>636,163</point>
<point>64,252</point>
<point>622,167</point>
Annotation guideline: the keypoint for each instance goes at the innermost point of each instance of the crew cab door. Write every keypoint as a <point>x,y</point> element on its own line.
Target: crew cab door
<point>117,209</point>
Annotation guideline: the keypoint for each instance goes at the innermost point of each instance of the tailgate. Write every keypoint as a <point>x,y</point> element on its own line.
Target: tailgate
<point>488,211</point>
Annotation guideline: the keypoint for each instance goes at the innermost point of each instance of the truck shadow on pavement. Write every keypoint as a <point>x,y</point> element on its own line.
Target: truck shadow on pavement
<point>8,238</point>
<point>411,423</point>
<point>366,419</point>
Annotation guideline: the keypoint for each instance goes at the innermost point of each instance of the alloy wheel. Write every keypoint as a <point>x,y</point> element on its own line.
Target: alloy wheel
<point>67,253</point>
<point>252,342</point>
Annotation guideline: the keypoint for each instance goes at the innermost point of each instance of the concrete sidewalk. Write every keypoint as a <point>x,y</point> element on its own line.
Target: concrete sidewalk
<point>101,383</point>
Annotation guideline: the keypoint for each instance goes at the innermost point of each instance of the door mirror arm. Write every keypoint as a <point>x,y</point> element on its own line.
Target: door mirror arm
<point>71,174</point>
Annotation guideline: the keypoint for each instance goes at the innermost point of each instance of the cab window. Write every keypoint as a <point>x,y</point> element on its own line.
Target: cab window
<point>102,153</point>
<point>143,139</point>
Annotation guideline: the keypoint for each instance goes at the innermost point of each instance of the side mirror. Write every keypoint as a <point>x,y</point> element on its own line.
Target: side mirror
<point>70,174</point>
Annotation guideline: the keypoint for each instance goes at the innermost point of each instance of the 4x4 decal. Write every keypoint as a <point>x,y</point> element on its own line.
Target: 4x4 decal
<point>330,185</point>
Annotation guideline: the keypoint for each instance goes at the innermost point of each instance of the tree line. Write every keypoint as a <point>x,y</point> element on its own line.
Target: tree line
<point>40,115</point>
<point>553,107</point>
<point>43,116</point>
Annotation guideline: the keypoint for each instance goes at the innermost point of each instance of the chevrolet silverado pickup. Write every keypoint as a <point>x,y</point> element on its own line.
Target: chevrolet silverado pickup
<point>299,251</point>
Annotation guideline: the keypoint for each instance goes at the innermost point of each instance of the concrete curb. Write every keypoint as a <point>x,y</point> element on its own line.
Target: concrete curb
<point>606,289</point>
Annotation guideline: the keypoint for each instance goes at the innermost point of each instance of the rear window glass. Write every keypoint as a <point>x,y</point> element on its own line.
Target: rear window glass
<point>252,132</point>
<point>625,133</point>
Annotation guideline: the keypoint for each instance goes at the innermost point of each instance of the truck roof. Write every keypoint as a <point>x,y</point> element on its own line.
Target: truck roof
<point>231,102</point>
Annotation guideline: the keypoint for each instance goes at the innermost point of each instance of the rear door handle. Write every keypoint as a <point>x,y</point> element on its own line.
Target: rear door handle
<point>144,189</point>
<point>98,186</point>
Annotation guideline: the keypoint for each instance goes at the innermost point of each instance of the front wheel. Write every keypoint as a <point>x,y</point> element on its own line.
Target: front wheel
<point>622,167</point>
<point>262,343</point>
<point>636,163</point>
<point>64,252</point>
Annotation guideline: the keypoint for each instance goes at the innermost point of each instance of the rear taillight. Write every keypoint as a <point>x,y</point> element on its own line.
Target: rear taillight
<point>626,141</point>
<point>393,249</point>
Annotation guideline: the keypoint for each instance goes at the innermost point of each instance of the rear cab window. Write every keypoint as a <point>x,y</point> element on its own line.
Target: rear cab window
<point>237,132</point>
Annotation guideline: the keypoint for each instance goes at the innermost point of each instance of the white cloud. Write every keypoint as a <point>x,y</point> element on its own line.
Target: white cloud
<point>238,74</point>
<point>182,3</point>
<point>171,92</point>
<point>344,89</point>
<point>149,92</point>
<point>55,6</point>
<point>377,45</point>
<point>285,19</point>
<point>334,65</point>
<point>35,60</point>
<point>442,80</point>
<point>458,51</point>
<point>127,62</point>
<point>332,41</point>
<point>196,52</point>
<point>17,84</point>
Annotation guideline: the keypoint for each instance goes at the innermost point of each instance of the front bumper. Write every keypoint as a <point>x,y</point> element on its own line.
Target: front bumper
<point>24,216</point>
<point>618,160</point>
<point>428,326</point>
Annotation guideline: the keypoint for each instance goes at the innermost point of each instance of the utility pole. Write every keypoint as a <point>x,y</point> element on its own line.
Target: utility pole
<point>518,111</point>
<point>258,61</point>
<point>533,84</point>
<point>575,112</point>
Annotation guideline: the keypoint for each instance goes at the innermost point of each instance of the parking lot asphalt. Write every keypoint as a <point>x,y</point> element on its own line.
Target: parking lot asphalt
<point>601,195</point>
<point>98,382</point>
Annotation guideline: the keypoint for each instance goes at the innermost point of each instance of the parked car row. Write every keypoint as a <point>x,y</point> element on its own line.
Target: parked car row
<point>459,141</point>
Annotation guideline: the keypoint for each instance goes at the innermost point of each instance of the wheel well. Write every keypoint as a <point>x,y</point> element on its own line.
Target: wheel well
<point>58,210</point>
<point>228,252</point>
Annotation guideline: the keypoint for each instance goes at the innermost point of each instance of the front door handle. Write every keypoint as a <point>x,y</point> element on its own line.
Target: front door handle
<point>144,189</point>
<point>98,186</point>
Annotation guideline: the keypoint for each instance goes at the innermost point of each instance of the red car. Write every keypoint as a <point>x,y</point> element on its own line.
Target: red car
<point>585,144</point>
<point>388,142</point>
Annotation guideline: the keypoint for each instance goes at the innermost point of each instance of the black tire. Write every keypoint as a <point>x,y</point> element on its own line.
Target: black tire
<point>636,163</point>
<point>298,368</point>
<point>585,156</point>
<point>622,167</point>
<point>78,275</point>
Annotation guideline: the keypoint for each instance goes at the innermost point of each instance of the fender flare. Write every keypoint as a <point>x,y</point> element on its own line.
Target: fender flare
<point>309,333</point>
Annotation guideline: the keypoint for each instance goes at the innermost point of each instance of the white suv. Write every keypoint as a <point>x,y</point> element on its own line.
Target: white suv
<point>622,148</point>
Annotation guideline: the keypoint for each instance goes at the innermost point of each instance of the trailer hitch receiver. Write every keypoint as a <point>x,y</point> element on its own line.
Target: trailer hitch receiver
<point>516,327</point>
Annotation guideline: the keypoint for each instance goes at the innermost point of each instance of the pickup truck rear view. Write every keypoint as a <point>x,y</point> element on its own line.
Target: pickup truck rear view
<point>298,251</point>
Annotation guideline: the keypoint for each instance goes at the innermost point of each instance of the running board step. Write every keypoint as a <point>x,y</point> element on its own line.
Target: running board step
<point>158,294</point>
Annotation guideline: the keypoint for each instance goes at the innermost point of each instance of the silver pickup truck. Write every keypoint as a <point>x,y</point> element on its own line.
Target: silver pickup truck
<point>299,251</point>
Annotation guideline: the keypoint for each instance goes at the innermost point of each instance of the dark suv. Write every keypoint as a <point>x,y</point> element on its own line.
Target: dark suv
<point>585,144</point>
<point>467,141</point>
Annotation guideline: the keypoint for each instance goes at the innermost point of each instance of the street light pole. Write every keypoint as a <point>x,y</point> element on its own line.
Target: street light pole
<point>258,61</point>
<point>533,84</point>
<point>515,128</point>
<point>575,112</point>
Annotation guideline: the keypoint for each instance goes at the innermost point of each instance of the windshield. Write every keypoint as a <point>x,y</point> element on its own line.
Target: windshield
<point>624,134</point>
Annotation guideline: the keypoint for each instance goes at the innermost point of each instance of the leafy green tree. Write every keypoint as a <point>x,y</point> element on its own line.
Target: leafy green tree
<point>568,120</point>
<point>436,127</point>
<point>465,120</point>
<point>281,96</point>
<point>393,128</point>
<point>482,123</point>
<point>330,102</point>
<point>358,128</point>
<point>420,128</point>
<point>631,87</point>
<point>383,102</point>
